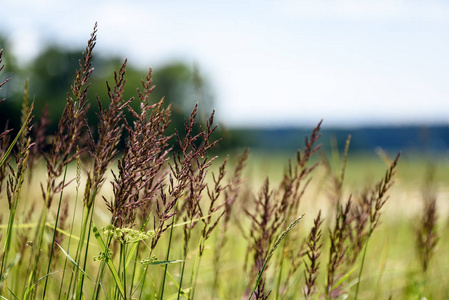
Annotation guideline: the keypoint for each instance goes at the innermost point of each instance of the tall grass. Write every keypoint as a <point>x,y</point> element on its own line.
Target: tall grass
<point>162,217</point>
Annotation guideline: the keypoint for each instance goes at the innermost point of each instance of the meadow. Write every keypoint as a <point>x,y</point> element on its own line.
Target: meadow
<point>118,209</point>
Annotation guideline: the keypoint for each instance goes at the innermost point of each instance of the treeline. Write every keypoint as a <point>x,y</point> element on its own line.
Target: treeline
<point>51,75</point>
<point>416,138</point>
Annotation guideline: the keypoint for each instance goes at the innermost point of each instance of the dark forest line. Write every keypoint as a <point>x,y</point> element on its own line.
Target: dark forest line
<point>412,138</point>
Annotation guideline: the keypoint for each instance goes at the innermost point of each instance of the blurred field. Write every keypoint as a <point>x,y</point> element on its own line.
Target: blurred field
<point>363,170</point>
<point>392,256</point>
<point>392,267</point>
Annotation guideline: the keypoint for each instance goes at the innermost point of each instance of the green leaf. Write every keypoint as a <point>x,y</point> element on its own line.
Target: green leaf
<point>166,262</point>
<point>131,253</point>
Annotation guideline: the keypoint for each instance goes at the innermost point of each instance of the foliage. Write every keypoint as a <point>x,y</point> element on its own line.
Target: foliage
<point>51,72</point>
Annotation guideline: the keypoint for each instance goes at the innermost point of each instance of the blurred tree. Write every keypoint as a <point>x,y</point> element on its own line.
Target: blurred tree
<point>9,110</point>
<point>183,86</point>
<point>52,73</point>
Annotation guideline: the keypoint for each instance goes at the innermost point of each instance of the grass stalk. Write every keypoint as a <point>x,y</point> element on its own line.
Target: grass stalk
<point>7,246</point>
<point>124,246</point>
<point>11,146</point>
<point>78,181</point>
<point>273,249</point>
<point>375,204</point>
<point>182,277</point>
<point>18,179</point>
<point>134,268</point>
<point>100,273</point>
<point>142,229</point>
<point>90,212</point>
<point>54,234</point>
<point>195,272</point>
<point>281,268</point>
<point>167,257</point>
<point>74,276</point>
<point>39,234</point>
<point>359,276</point>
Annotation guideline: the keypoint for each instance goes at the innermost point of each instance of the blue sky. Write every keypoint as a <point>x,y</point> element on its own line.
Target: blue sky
<point>349,62</point>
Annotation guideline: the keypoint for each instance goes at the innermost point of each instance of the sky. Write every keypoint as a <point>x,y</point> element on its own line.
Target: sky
<point>271,63</point>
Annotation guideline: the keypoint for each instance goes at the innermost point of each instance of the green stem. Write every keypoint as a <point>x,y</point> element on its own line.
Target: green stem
<point>183,266</point>
<point>74,272</point>
<point>361,267</point>
<point>69,243</point>
<point>195,273</point>
<point>40,234</point>
<point>142,228</point>
<point>91,213</point>
<point>12,215</point>
<point>120,272</point>
<point>54,234</point>
<point>270,254</point>
<point>161,294</point>
<point>281,268</point>
<point>182,276</point>
<point>143,281</point>
<point>7,246</point>
<point>11,146</point>
<point>217,255</point>
<point>100,273</point>
<point>134,272</point>
<point>79,249</point>
<point>124,267</point>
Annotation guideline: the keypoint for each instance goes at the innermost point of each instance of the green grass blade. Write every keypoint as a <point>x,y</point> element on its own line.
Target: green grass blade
<point>19,226</point>
<point>86,251</point>
<point>73,262</point>
<point>15,297</point>
<point>176,284</point>
<point>108,261</point>
<point>131,254</point>
<point>161,294</point>
<point>31,288</point>
<point>54,231</point>
<point>344,277</point>
<point>6,155</point>
<point>270,254</point>
<point>7,246</point>
<point>49,225</point>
